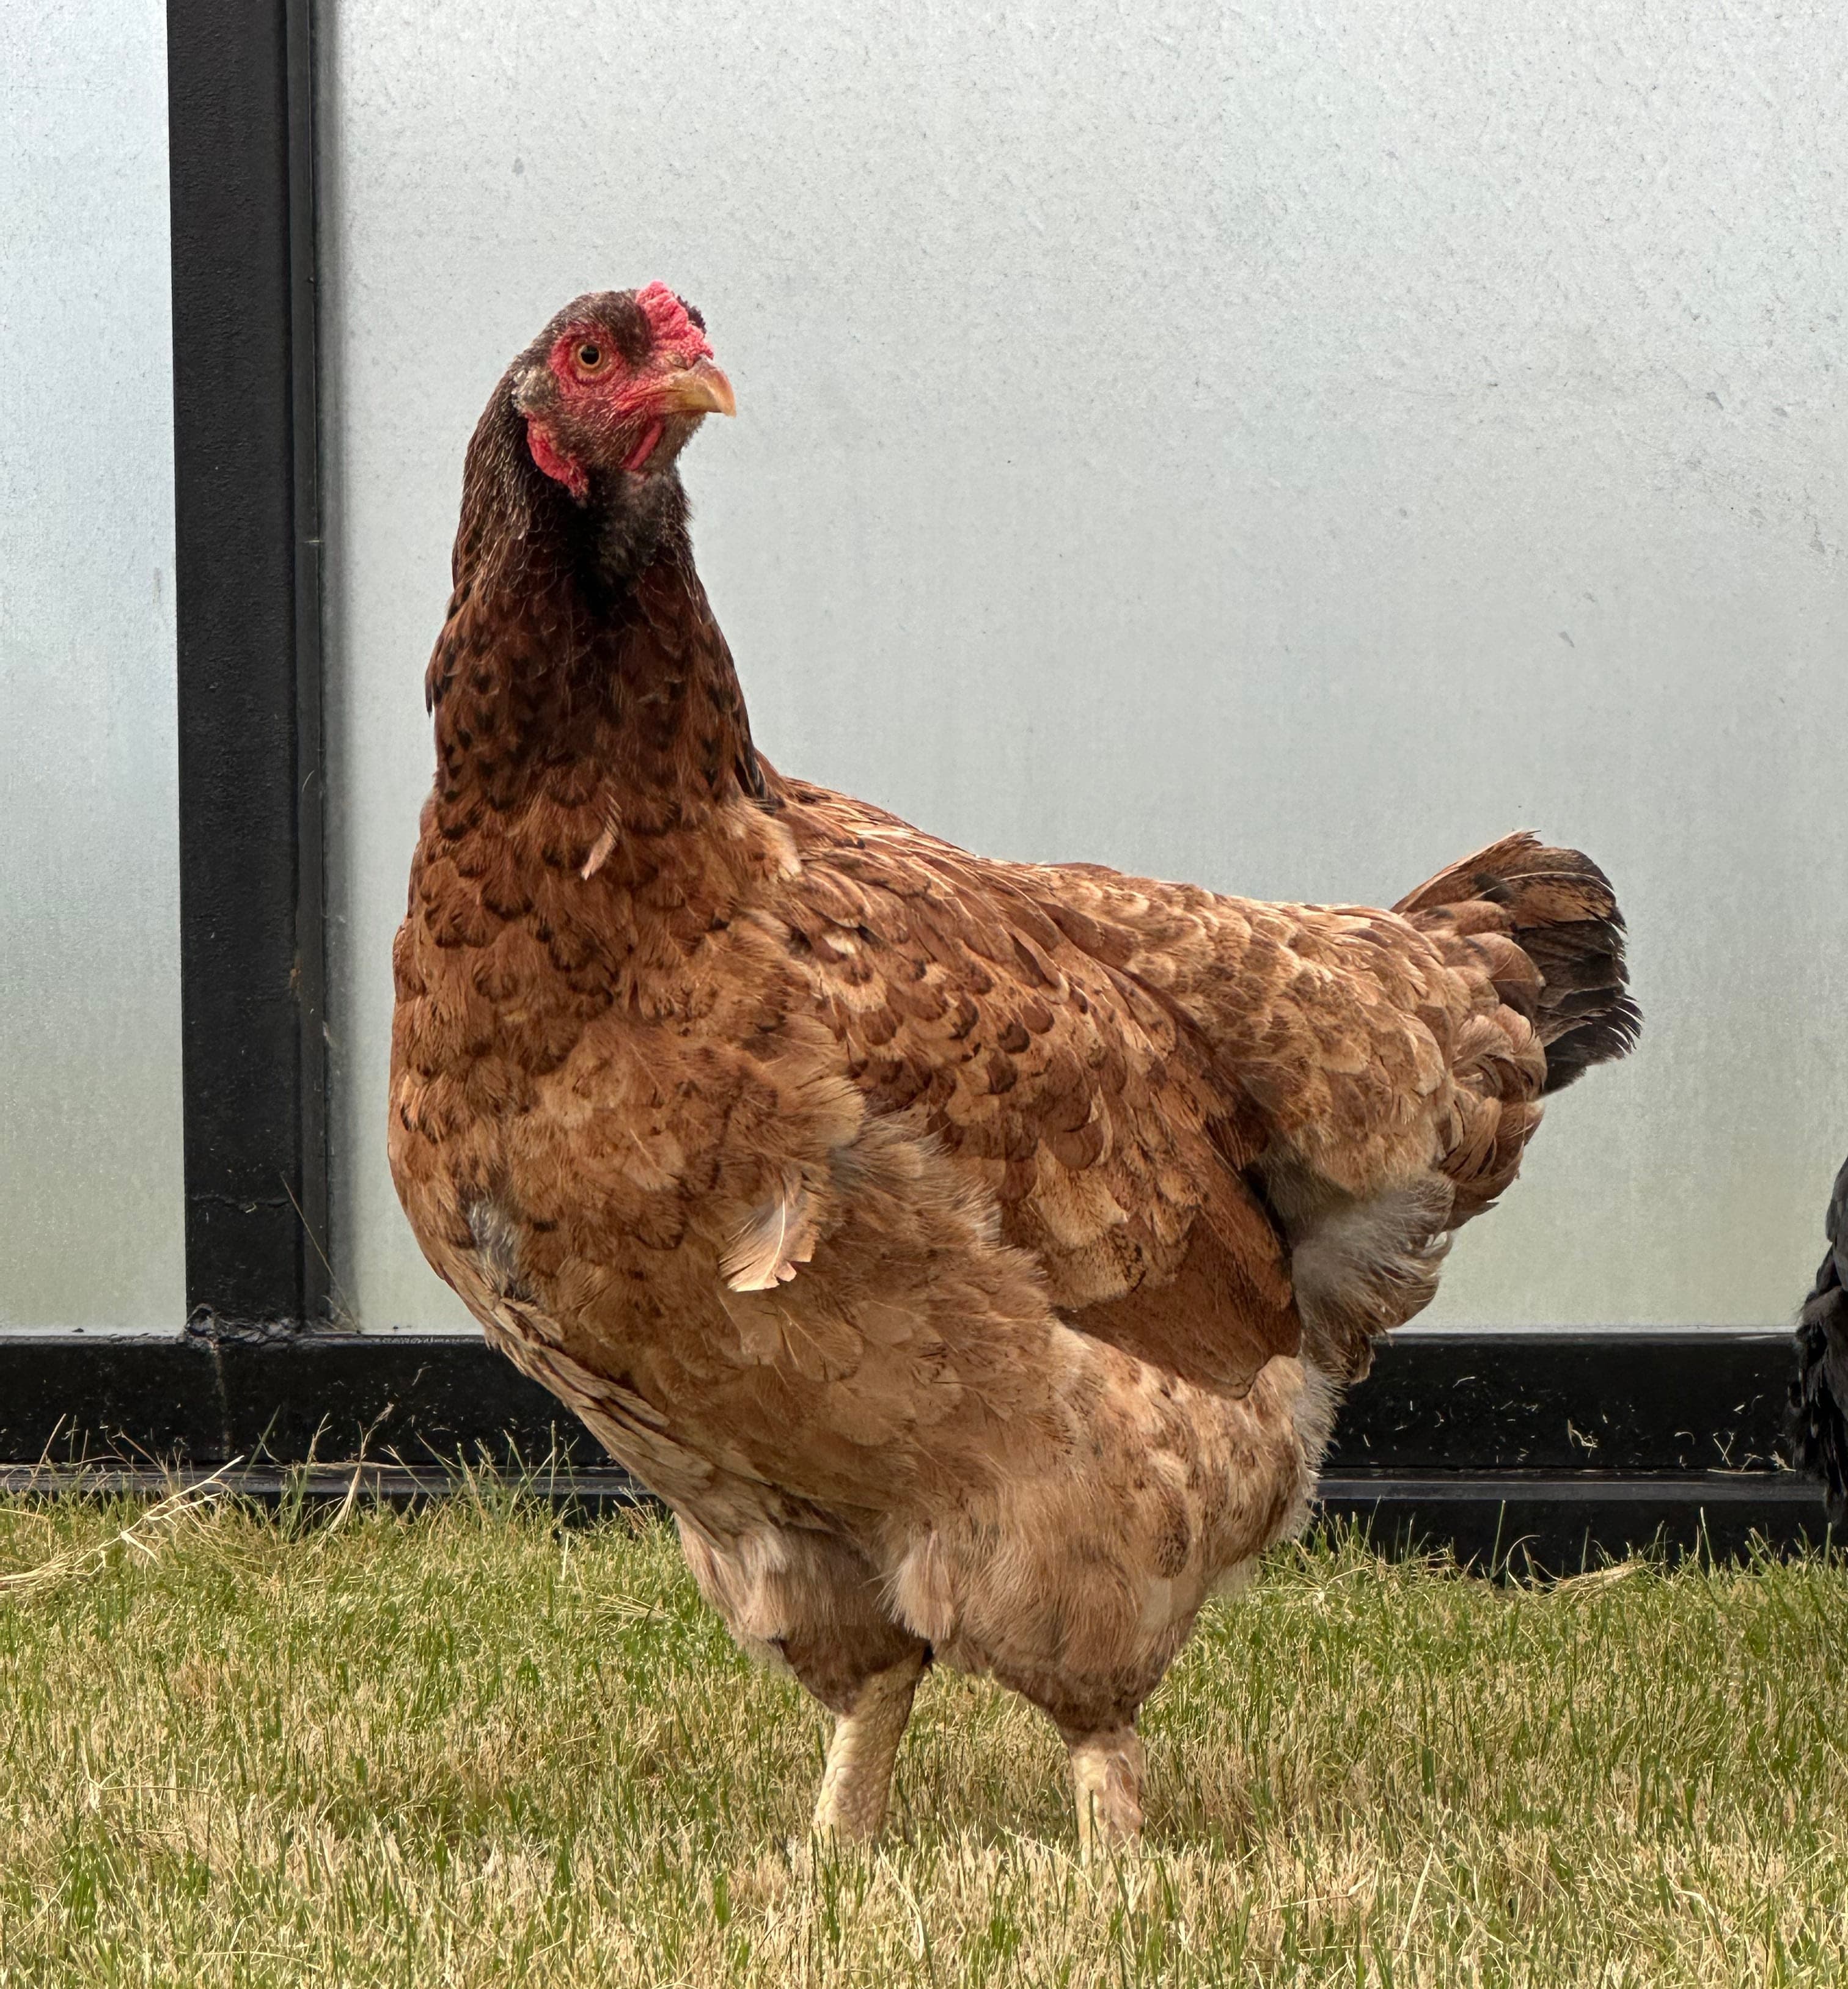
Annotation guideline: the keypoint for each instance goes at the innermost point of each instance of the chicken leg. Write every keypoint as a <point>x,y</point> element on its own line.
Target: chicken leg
<point>856,1784</point>
<point>1106,1781</point>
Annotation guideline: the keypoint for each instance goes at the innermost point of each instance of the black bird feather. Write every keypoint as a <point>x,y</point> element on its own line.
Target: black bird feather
<point>1818,1397</point>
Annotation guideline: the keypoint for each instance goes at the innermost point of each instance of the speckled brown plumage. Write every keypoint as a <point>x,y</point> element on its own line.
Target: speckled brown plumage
<point>969,1251</point>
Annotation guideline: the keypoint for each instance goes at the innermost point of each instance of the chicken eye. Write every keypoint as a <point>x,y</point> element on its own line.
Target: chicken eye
<point>590,357</point>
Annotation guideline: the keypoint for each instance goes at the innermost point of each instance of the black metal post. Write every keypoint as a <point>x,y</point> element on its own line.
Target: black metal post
<point>1540,1448</point>
<point>241,140</point>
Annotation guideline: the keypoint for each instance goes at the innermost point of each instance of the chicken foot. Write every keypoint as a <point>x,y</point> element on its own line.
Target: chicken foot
<point>856,1784</point>
<point>1106,1781</point>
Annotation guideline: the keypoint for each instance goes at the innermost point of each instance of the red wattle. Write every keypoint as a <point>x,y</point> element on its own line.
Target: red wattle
<point>560,468</point>
<point>646,447</point>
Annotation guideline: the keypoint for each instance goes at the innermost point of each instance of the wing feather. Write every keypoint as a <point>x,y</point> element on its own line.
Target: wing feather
<point>774,1241</point>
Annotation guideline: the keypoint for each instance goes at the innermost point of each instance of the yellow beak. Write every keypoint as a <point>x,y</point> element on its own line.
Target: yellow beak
<point>701,389</point>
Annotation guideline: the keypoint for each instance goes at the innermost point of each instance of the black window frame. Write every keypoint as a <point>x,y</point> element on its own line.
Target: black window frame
<point>1570,1442</point>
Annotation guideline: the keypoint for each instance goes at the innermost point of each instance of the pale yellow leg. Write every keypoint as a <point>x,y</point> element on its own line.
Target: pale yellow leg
<point>1106,1780</point>
<point>856,1784</point>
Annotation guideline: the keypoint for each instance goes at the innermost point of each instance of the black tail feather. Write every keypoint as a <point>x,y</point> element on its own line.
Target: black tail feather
<point>1565,918</point>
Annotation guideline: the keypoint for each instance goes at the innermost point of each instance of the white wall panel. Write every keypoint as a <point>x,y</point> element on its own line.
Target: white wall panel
<point>90,1186</point>
<point>1282,446</point>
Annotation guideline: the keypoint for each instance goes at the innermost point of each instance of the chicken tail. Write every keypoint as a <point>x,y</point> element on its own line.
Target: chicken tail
<point>1817,1421</point>
<point>1559,909</point>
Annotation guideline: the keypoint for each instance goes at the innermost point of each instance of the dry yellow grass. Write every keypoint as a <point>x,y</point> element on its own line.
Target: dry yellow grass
<point>471,1748</point>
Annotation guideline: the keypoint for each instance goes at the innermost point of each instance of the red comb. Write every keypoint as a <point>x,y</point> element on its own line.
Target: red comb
<point>672,328</point>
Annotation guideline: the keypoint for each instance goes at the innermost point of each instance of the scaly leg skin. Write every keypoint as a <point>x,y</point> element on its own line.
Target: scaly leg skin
<point>856,1784</point>
<point>1106,1780</point>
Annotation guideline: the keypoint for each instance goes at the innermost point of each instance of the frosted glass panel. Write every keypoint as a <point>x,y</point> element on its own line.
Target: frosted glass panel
<point>1282,448</point>
<point>90,1187</point>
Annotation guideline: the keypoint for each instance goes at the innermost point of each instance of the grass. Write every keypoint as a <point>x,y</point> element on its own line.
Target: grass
<point>468,1747</point>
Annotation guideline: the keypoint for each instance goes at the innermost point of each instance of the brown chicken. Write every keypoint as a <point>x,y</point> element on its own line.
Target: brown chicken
<point>971,1254</point>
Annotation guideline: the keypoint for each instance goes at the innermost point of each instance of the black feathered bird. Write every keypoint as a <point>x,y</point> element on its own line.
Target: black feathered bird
<point>1819,1397</point>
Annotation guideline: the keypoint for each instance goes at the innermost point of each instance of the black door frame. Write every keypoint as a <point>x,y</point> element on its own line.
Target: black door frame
<point>1575,1440</point>
<point>247,551</point>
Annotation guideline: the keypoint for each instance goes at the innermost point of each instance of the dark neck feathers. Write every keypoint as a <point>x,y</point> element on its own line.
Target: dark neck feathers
<point>580,661</point>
